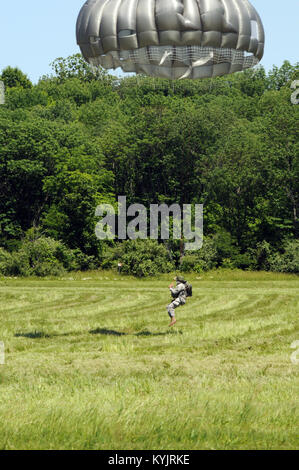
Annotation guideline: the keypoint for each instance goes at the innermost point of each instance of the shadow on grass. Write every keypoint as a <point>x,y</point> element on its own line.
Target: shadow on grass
<point>32,335</point>
<point>104,331</point>
<point>150,333</point>
<point>97,331</point>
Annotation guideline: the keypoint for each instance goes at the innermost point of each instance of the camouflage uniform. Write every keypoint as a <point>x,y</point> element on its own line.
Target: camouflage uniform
<point>179,294</point>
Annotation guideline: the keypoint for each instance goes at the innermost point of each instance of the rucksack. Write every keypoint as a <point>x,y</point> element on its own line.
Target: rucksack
<point>188,289</point>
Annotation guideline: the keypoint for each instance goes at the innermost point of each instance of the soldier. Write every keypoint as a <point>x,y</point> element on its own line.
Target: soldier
<point>179,295</point>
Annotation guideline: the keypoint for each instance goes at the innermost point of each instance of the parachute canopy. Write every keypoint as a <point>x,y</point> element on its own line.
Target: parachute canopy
<point>171,38</point>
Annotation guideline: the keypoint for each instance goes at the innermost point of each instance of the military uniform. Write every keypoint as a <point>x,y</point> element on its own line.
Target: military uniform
<point>179,294</point>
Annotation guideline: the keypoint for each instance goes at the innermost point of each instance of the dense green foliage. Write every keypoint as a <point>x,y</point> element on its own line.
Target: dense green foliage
<point>43,256</point>
<point>80,138</point>
<point>139,258</point>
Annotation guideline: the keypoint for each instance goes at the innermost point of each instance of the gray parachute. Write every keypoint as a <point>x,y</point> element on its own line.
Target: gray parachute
<point>172,39</point>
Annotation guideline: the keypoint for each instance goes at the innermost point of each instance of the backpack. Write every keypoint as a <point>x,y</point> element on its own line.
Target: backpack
<point>188,289</point>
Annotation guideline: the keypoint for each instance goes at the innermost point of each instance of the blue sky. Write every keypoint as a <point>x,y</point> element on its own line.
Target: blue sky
<point>35,32</point>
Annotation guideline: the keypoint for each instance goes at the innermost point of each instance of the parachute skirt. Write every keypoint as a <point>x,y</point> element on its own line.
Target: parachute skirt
<point>180,62</point>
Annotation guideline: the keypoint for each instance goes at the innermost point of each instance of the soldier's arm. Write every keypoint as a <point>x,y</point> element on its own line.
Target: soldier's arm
<point>176,290</point>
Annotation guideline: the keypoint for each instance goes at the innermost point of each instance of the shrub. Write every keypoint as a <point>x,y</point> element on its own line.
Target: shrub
<point>262,255</point>
<point>243,261</point>
<point>189,263</point>
<point>5,262</point>
<point>225,247</point>
<point>38,255</point>
<point>219,250</point>
<point>288,260</point>
<point>201,260</point>
<point>207,255</point>
<point>77,260</point>
<point>228,263</point>
<point>139,257</point>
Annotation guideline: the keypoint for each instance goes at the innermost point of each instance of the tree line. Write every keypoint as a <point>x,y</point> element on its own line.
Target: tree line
<point>82,137</point>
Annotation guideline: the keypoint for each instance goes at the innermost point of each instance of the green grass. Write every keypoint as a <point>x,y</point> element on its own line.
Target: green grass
<point>92,364</point>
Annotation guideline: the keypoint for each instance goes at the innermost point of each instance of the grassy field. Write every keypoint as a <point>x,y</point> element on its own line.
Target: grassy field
<point>90,363</point>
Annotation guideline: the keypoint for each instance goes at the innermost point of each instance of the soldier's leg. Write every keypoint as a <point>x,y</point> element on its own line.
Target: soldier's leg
<point>171,307</point>
<point>170,310</point>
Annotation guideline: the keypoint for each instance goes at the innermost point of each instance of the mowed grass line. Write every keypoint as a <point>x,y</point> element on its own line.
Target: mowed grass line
<point>92,364</point>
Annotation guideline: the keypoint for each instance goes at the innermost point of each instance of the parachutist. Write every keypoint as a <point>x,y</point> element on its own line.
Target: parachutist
<point>179,293</point>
